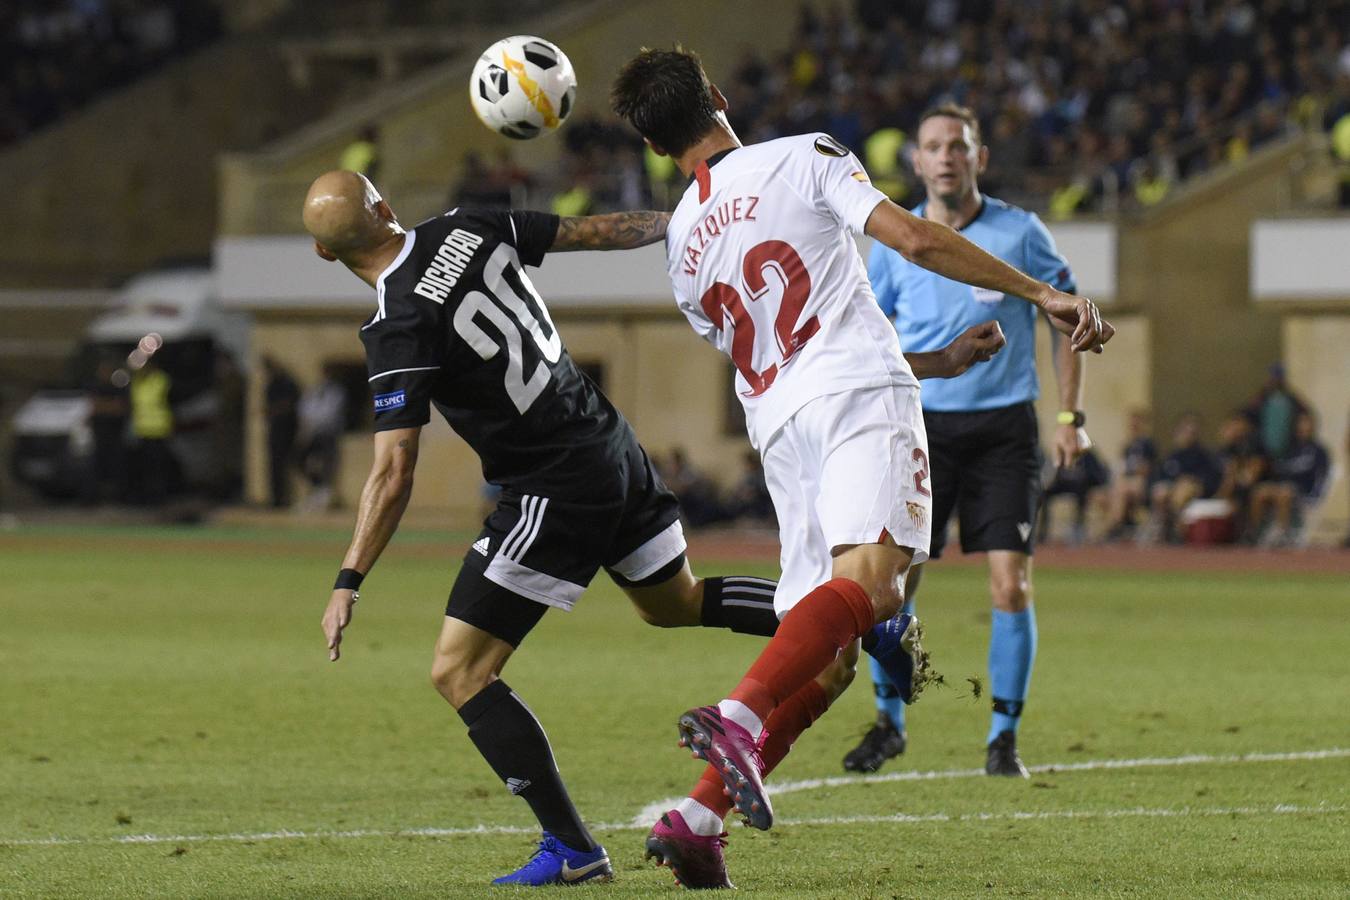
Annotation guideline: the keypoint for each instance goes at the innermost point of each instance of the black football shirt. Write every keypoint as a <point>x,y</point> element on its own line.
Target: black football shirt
<point>458,325</point>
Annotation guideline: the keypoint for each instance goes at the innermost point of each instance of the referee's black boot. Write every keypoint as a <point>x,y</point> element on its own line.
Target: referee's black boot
<point>1002,758</point>
<point>882,742</point>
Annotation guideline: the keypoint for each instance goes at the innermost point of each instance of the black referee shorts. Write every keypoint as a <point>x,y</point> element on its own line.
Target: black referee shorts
<point>985,466</point>
<point>538,551</point>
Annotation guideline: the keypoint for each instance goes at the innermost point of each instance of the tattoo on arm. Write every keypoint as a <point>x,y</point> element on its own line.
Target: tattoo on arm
<point>612,231</point>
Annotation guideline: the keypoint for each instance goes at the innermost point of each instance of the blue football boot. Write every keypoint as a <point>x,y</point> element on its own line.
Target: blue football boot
<point>556,863</point>
<point>895,645</point>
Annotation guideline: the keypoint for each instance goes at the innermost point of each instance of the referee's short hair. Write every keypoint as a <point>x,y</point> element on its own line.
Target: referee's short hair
<point>954,111</point>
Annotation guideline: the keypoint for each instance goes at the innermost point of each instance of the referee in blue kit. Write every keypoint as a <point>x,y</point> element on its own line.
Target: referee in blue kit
<point>985,457</point>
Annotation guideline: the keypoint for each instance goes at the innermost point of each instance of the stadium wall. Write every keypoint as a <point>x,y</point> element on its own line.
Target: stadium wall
<point>1186,267</point>
<point>130,181</point>
<point>1318,367</point>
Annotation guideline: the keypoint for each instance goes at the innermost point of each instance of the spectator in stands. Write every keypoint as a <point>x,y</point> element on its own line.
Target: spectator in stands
<point>1082,480</point>
<point>1243,464</point>
<point>1131,490</point>
<point>323,418</point>
<point>1300,480</point>
<point>699,502</point>
<point>152,427</point>
<point>1150,185</point>
<point>489,186</point>
<point>1273,411</point>
<point>363,154</point>
<point>281,401</point>
<point>1337,123</point>
<point>1189,472</point>
<point>476,187</point>
<point>579,198</point>
<point>749,497</point>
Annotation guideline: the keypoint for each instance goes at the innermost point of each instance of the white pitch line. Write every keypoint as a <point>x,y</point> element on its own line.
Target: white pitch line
<point>1142,812</point>
<point>1279,809</point>
<point>644,818</point>
<point>651,811</point>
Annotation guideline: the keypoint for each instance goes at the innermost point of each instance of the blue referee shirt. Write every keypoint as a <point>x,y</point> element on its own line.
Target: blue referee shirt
<point>929,311</point>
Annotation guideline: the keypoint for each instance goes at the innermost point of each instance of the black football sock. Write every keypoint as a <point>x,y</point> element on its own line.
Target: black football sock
<point>513,742</point>
<point>742,603</point>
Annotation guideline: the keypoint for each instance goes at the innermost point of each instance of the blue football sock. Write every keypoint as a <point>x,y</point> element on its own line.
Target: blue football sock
<point>887,697</point>
<point>1012,649</point>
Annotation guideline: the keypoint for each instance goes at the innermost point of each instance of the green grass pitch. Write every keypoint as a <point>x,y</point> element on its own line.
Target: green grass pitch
<point>175,685</point>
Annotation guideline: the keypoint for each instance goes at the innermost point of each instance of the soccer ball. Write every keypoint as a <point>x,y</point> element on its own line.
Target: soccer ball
<point>522,87</point>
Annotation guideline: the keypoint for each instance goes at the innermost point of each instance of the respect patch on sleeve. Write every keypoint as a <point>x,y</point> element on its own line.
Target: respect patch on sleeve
<point>391,400</point>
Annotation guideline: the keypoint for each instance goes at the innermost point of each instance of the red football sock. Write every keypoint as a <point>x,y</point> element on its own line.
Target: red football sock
<point>793,716</point>
<point>810,636</point>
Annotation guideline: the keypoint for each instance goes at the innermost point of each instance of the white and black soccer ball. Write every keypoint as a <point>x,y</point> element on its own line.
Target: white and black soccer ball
<point>523,87</point>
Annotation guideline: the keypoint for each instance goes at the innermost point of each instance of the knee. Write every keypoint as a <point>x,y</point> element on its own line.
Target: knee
<point>1010,594</point>
<point>881,571</point>
<point>457,682</point>
<point>888,601</point>
<point>886,593</point>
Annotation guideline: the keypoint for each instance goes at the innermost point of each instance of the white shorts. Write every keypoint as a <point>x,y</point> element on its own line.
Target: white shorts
<point>847,468</point>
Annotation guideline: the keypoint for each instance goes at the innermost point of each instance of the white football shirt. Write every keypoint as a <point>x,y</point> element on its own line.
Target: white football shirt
<point>764,266</point>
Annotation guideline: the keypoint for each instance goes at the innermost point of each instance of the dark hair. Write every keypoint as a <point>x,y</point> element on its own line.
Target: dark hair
<point>954,111</point>
<point>665,95</point>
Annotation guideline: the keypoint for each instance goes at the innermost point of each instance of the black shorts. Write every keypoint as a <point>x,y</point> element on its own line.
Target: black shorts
<point>986,465</point>
<point>537,551</point>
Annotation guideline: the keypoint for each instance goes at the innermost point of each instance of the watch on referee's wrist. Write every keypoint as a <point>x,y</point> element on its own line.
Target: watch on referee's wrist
<point>1073,417</point>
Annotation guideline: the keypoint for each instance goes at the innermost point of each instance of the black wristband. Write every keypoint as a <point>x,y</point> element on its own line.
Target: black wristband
<point>348,580</point>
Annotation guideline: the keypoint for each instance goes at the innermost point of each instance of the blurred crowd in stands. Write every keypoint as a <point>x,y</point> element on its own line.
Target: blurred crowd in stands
<point>1090,105</point>
<point>56,55</point>
<point>703,502</point>
<point>1262,482</point>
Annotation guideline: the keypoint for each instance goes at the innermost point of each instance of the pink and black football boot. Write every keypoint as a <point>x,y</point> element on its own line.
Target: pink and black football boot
<point>731,750</point>
<point>694,859</point>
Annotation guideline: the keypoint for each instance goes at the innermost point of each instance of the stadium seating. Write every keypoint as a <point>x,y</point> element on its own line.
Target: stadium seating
<point>55,57</point>
<point>1092,107</point>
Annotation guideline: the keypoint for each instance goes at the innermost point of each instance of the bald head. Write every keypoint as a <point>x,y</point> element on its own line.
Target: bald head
<point>346,215</point>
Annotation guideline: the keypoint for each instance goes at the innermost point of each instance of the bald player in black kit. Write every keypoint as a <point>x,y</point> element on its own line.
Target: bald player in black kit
<point>459,326</point>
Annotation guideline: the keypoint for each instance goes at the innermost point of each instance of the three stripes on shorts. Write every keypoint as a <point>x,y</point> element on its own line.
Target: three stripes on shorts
<point>526,529</point>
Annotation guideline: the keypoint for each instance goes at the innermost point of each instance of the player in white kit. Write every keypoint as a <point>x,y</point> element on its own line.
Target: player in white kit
<point>764,266</point>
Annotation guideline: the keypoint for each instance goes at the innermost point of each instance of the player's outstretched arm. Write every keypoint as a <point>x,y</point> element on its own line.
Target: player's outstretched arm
<point>976,344</point>
<point>942,250</point>
<point>383,500</point>
<point>611,231</point>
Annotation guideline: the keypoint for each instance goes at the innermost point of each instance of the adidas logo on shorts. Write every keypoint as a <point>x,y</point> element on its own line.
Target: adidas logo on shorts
<point>517,785</point>
<point>482,545</point>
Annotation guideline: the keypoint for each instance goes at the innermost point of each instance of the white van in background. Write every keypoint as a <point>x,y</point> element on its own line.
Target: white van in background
<point>52,440</point>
